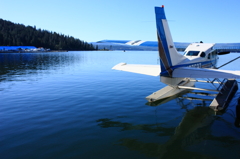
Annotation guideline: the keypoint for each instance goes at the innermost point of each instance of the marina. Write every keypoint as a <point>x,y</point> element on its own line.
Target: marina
<point>19,49</point>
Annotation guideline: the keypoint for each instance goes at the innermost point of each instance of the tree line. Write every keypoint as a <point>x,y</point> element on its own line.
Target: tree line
<point>12,34</point>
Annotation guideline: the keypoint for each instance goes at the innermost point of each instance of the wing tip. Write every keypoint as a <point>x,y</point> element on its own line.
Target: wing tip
<point>116,67</point>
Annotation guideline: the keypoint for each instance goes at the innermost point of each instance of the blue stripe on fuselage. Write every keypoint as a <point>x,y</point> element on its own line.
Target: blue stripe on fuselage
<point>205,64</point>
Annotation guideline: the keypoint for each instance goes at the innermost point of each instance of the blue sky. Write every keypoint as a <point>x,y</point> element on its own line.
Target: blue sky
<point>93,20</point>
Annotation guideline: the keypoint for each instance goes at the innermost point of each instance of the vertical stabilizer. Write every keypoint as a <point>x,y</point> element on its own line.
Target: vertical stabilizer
<point>167,51</point>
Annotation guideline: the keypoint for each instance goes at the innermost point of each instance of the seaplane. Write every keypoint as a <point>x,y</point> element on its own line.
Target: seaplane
<point>181,71</point>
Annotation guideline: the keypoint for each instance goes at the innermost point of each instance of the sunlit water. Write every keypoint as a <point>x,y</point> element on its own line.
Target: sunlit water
<point>72,105</point>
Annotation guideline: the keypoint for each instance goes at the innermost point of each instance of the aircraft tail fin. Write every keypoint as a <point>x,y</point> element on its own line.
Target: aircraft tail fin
<point>168,54</point>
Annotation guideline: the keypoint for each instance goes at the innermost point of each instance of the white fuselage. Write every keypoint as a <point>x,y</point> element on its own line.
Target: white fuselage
<point>200,55</point>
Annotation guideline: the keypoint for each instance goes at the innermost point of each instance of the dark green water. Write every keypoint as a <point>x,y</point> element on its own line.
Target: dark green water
<point>72,105</point>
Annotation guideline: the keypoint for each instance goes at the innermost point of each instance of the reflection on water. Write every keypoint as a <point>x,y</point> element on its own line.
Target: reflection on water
<point>13,65</point>
<point>237,120</point>
<point>194,129</point>
<point>150,128</point>
<point>29,67</point>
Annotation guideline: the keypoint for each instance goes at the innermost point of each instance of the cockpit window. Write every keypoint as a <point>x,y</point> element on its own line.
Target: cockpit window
<point>192,53</point>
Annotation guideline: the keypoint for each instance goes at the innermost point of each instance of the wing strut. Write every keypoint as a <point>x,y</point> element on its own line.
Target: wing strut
<point>228,62</point>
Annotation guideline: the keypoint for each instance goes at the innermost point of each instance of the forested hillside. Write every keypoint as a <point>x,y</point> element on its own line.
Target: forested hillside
<point>20,35</point>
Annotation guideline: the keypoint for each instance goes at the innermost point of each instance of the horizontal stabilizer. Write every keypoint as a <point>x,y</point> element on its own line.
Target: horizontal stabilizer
<point>152,70</point>
<point>204,73</point>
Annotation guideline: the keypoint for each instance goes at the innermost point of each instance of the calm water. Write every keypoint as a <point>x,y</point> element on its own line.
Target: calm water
<point>72,105</point>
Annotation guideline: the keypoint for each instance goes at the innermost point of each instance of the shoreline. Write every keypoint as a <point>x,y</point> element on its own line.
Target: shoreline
<point>33,51</point>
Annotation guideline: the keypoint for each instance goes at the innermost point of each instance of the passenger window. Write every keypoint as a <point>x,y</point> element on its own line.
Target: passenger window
<point>209,56</point>
<point>203,54</point>
<point>214,54</point>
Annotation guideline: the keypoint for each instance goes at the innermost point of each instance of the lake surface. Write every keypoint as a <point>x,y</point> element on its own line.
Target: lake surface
<point>72,105</point>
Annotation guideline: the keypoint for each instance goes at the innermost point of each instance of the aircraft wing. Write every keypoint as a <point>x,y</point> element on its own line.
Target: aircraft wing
<point>204,73</point>
<point>152,70</point>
